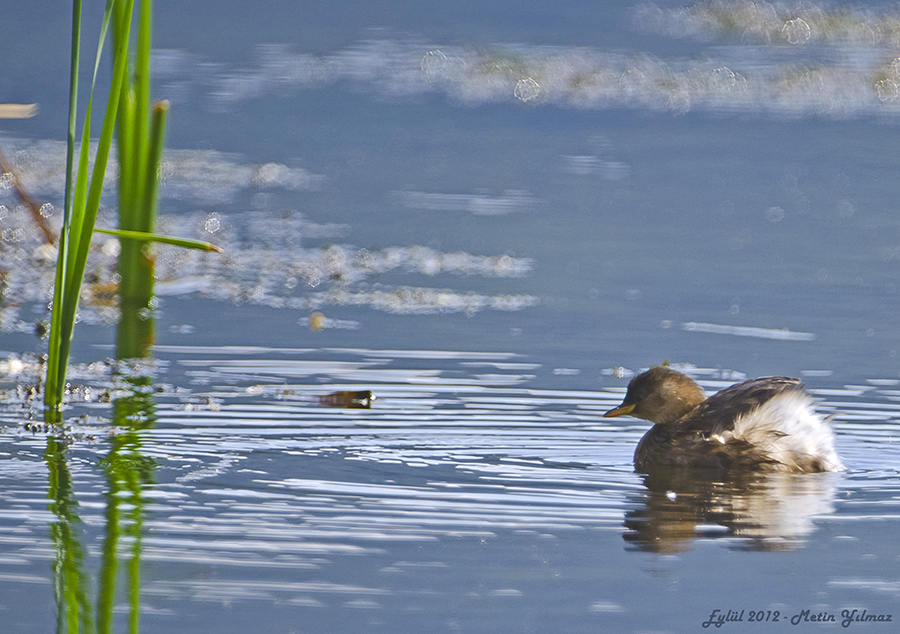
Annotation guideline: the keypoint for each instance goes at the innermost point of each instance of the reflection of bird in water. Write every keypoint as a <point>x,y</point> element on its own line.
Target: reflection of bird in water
<point>766,424</point>
<point>749,510</point>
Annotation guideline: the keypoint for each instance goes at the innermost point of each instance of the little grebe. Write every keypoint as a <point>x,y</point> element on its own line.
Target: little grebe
<point>766,424</point>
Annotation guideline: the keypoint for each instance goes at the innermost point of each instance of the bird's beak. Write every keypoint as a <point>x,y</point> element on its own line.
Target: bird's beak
<point>621,410</point>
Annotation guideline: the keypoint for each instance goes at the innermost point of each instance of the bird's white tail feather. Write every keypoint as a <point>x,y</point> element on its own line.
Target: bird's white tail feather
<point>788,429</point>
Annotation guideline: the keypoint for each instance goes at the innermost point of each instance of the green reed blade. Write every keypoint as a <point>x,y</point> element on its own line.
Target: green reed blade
<point>73,104</point>
<point>53,360</point>
<point>133,129</point>
<point>143,236</point>
<point>103,148</point>
<point>81,214</point>
<point>141,152</point>
<point>151,166</point>
<point>83,222</point>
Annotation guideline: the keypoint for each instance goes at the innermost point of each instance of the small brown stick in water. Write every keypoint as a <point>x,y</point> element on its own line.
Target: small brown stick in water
<point>30,203</point>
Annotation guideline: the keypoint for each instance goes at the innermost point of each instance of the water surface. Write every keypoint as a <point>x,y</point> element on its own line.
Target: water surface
<point>490,218</point>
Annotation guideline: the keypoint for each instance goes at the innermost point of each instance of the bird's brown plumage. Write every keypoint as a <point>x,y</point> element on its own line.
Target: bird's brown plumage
<point>764,424</point>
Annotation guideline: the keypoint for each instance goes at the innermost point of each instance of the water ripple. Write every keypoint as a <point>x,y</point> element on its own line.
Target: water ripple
<point>254,472</point>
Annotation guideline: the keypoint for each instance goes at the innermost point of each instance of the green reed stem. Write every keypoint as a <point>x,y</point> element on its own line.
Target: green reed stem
<point>82,201</point>
<point>140,143</point>
<point>140,154</point>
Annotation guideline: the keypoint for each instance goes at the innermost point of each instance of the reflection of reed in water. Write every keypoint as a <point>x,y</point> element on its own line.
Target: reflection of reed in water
<point>128,473</point>
<point>771,512</point>
<point>70,582</point>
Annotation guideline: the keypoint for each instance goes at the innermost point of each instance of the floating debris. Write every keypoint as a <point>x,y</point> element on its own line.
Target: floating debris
<point>316,321</point>
<point>356,399</point>
<point>18,110</point>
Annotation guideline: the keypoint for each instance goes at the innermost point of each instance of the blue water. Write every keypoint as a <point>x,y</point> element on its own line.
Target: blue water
<point>493,257</point>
